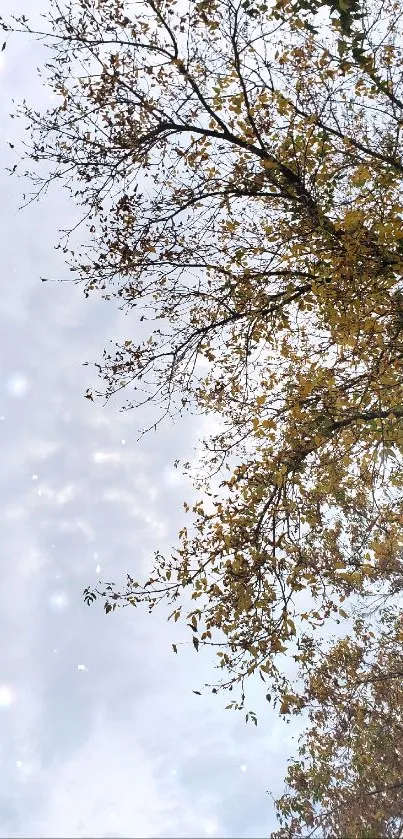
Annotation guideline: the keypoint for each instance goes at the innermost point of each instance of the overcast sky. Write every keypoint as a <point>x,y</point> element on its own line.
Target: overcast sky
<point>101,734</point>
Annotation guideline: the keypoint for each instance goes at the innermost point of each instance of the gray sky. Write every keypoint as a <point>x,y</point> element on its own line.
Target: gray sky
<point>100,733</point>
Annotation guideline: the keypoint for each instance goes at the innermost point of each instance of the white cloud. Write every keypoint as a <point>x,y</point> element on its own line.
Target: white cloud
<point>107,457</point>
<point>40,449</point>
<point>172,477</point>
<point>110,786</point>
<point>61,496</point>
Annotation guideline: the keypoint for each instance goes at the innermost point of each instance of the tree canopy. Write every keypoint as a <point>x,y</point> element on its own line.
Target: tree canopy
<point>240,171</point>
<point>348,777</point>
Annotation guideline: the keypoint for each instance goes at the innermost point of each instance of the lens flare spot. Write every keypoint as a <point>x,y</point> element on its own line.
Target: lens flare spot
<point>7,696</point>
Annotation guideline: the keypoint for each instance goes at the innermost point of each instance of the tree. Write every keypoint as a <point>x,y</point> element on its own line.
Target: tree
<point>348,777</point>
<point>241,179</point>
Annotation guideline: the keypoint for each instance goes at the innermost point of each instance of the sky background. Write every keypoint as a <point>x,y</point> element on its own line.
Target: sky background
<point>100,733</point>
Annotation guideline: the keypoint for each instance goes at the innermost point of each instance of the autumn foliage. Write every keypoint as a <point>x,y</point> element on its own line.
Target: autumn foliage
<point>240,169</point>
<point>348,777</point>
